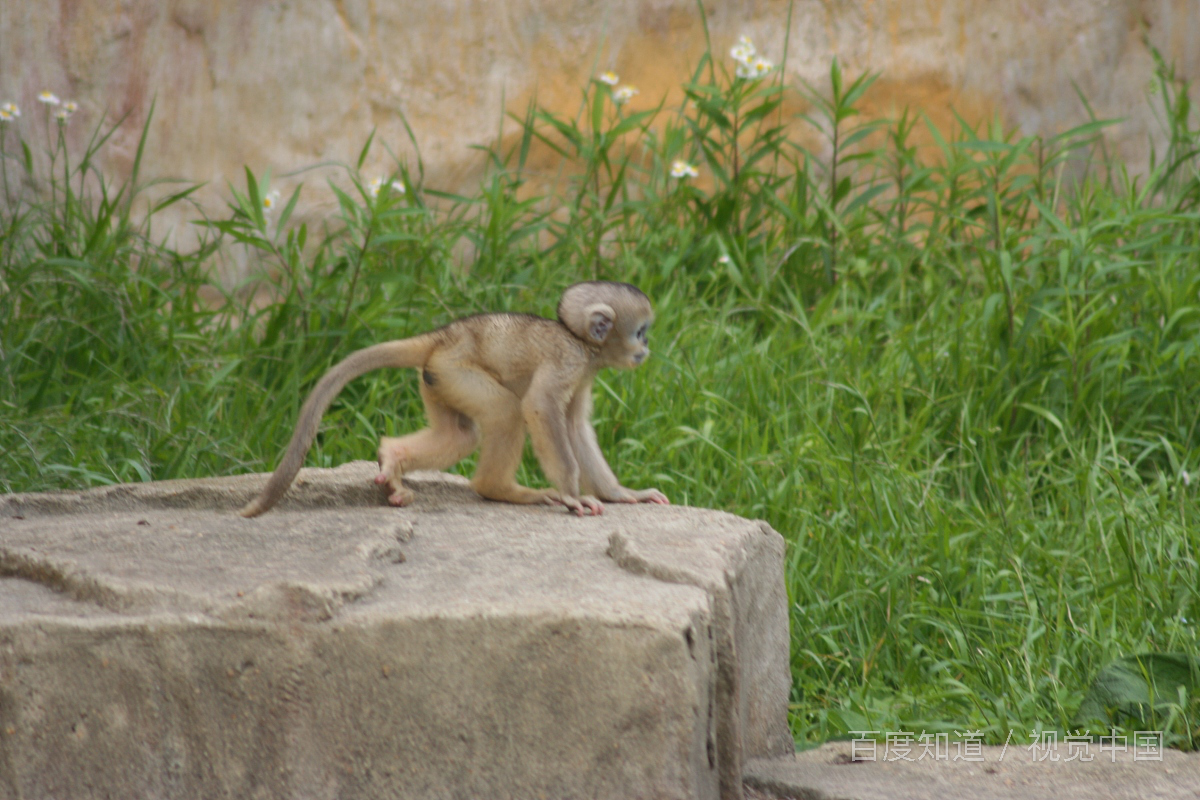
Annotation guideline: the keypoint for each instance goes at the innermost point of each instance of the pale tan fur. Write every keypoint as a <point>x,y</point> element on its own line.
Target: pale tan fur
<point>495,377</point>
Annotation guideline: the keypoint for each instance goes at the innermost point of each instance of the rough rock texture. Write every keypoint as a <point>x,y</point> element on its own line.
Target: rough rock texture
<point>286,85</point>
<point>830,773</point>
<point>155,644</point>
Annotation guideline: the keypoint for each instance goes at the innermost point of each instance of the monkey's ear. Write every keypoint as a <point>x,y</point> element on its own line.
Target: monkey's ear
<point>599,319</point>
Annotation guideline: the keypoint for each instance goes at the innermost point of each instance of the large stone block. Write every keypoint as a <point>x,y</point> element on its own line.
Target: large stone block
<point>155,644</point>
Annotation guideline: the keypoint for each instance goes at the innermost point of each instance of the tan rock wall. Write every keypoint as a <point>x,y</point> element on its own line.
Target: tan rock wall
<point>288,84</point>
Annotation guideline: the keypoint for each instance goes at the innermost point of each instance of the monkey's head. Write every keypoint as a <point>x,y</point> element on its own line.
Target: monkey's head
<point>613,317</point>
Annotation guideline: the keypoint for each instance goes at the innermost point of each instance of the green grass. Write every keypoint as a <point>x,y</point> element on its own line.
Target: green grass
<point>961,379</point>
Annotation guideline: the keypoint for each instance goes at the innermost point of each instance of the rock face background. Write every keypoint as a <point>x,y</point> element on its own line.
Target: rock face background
<point>288,84</point>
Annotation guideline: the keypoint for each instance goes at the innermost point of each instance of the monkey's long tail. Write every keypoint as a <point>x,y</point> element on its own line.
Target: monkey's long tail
<point>400,353</point>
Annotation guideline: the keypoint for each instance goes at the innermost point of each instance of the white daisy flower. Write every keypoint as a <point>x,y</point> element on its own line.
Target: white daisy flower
<point>624,94</point>
<point>755,69</point>
<point>270,201</point>
<point>6,115</point>
<point>761,67</point>
<point>70,106</point>
<point>682,169</point>
<point>724,259</point>
<point>48,98</point>
<point>609,78</point>
<point>750,64</point>
<point>11,109</point>
<point>743,51</point>
<point>62,114</point>
<point>376,185</point>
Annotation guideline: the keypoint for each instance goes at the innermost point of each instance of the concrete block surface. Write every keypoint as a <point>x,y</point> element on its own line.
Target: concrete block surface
<point>155,644</point>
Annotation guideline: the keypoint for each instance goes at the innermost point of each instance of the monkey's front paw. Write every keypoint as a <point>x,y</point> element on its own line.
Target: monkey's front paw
<point>594,506</point>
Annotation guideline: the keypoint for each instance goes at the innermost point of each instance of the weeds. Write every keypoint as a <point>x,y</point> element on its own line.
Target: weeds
<point>959,379</point>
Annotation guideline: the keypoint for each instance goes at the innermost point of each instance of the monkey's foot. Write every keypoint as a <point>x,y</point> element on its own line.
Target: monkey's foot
<point>580,506</point>
<point>401,495</point>
<point>400,498</point>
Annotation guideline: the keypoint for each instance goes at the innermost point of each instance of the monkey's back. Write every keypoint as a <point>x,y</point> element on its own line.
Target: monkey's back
<point>509,347</point>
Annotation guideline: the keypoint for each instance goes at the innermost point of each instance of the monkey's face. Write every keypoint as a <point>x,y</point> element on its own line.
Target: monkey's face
<point>629,342</point>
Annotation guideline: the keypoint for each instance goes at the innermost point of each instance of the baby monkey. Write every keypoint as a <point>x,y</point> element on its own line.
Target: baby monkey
<point>494,377</point>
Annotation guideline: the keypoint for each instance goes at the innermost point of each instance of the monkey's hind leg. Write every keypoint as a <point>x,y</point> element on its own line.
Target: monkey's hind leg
<point>450,438</point>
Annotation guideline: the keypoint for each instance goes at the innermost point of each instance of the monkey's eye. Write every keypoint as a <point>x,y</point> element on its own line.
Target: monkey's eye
<point>641,333</point>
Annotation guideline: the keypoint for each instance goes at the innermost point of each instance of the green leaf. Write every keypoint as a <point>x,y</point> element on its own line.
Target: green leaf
<point>857,89</point>
<point>349,208</point>
<point>362,156</point>
<point>175,198</point>
<point>985,146</point>
<point>760,111</point>
<point>629,123</point>
<point>715,111</point>
<point>568,132</point>
<point>835,79</point>
<point>865,196</point>
<point>287,210</point>
<point>1006,268</point>
<point>141,148</point>
<point>1049,215</point>
<point>840,192</point>
<point>397,236</point>
<point>256,207</point>
<point>1045,414</point>
<point>598,99</point>
<point>220,375</point>
<point>1087,129</point>
<point>860,133</point>
<point>1138,690</point>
